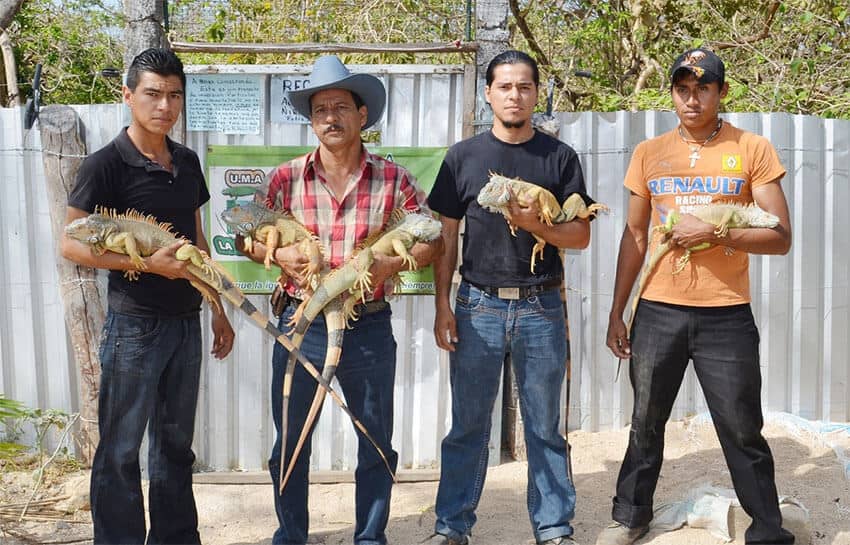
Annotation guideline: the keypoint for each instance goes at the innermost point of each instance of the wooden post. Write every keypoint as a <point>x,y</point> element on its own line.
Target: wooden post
<point>62,152</point>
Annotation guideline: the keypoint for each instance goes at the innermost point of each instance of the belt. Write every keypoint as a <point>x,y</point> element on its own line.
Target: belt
<point>520,292</point>
<point>362,309</point>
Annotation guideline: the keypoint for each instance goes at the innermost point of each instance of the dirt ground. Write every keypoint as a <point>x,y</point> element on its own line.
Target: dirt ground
<point>806,469</point>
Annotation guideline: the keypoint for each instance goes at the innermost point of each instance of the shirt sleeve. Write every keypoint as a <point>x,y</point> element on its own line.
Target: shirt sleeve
<point>572,178</point>
<point>765,165</point>
<point>203,190</point>
<point>635,178</point>
<point>92,187</point>
<point>410,195</point>
<point>444,198</point>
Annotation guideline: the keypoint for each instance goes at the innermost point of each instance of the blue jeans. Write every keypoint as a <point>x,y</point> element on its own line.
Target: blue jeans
<point>723,343</point>
<point>150,368</point>
<point>366,374</point>
<point>533,331</point>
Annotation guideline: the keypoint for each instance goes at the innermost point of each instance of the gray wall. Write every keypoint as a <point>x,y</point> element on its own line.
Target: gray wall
<point>800,300</point>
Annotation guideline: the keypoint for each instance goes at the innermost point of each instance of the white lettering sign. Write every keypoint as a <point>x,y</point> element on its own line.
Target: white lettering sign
<point>228,103</point>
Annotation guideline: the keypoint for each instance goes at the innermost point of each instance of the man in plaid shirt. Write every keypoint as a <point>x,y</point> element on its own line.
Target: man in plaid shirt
<point>342,193</point>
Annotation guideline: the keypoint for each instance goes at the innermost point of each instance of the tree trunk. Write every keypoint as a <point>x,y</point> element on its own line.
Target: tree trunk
<point>493,37</point>
<point>144,27</point>
<point>8,10</point>
<point>62,150</point>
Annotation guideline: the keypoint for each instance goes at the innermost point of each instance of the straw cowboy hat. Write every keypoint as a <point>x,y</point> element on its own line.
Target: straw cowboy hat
<point>330,73</point>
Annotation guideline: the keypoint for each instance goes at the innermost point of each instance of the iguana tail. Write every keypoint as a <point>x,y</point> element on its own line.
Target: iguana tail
<point>233,294</point>
<point>335,325</point>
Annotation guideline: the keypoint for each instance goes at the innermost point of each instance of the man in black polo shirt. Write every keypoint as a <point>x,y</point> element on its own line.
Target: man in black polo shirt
<point>151,350</point>
<point>502,307</point>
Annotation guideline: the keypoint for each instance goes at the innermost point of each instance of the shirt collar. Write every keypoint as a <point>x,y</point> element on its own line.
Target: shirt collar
<point>365,158</point>
<point>131,155</point>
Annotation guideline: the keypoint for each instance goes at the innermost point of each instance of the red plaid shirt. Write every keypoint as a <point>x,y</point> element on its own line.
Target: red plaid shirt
<point>379,187</point>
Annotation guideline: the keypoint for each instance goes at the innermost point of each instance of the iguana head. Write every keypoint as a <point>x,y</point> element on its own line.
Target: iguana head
<point>422,227</point>
<point>759,218</point>
<point>92,230</point>
<point>496,194</point>
<point>245,218</point>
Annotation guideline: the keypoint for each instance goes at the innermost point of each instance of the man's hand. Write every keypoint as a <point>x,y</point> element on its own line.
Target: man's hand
<point>164,263</point>
<point>222,335</point>
<point>445,328</point>
<point>691,231</point>
<point>616,339</point>
<point>384,267</point>
<point>292,262</point>
<point>524,214</point>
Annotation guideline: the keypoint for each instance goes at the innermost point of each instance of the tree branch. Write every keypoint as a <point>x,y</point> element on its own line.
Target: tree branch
<point>761,35</point>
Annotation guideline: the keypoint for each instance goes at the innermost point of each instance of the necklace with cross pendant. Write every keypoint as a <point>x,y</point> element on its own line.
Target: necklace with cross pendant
<point>696,148</point>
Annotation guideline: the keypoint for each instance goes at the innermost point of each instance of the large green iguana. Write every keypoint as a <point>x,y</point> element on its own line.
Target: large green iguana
<point>399,236</point>
<point>496,195</point>
<point>256,222</point>
<point>722,215</point>
<point>139,236</point>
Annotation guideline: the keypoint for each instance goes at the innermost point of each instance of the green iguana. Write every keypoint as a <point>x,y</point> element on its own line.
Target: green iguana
<point>256,222</point>
<point>722,215</point>
<point>402,232</point>
<point>139,236</point>
<point>496,195</point>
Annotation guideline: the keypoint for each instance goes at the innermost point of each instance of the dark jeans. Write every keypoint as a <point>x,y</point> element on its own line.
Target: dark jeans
<point>150,369</point>
<point>723,343</point>
<point>366,374</point>
<point>533,331</point>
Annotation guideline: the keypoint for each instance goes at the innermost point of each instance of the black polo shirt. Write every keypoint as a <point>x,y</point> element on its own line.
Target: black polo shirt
<point>119,177</point>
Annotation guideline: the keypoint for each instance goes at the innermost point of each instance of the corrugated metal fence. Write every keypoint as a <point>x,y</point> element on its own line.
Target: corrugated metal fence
<point>800,300</point>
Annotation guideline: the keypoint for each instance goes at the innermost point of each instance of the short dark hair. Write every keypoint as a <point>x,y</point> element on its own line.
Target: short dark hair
<point>157,60</point>
<point>512,56</point>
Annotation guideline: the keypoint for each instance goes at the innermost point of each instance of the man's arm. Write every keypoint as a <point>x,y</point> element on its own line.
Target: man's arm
<point>222,330</point>
<point>445,329</point>
<point>162,262</point>
<point>633,247</point>
<point>690,231</point>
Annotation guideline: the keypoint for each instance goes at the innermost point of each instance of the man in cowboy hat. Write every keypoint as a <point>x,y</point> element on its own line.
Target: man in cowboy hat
<point>343,194</point>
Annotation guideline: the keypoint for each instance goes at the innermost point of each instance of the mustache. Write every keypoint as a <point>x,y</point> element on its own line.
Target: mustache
<point>333,127</point>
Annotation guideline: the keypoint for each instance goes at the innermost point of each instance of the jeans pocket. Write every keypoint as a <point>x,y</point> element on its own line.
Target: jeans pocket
<point>128,340</point>
<point>548,305</point>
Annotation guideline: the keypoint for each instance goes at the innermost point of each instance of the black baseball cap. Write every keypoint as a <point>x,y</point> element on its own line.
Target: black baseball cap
<point>702,63</point>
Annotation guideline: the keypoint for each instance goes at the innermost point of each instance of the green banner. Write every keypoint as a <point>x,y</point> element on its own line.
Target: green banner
<point>235,172</point>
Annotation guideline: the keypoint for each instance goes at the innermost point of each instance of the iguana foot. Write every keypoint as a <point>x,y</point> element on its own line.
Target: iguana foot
<point>132,276</point>
<point>682,262</point>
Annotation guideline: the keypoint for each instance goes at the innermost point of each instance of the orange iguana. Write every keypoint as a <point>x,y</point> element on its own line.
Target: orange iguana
<point>496,195</point>
<point>402,232</point>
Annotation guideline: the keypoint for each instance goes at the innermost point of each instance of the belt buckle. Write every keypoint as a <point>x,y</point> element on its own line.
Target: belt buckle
<point>508,293</point>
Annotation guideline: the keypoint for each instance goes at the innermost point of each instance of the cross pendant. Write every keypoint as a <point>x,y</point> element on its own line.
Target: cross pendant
<point>694,156</point>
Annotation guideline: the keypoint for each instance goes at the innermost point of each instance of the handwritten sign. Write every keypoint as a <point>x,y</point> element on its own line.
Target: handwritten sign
<point>228,103</point>
<point>281,109</point>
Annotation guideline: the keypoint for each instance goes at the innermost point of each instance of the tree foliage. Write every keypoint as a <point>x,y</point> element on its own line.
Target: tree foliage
<point>73,40</point>
<point>789,55</point>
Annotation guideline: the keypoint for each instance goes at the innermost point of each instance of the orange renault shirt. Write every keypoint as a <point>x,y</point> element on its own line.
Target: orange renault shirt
<point>729,167</point>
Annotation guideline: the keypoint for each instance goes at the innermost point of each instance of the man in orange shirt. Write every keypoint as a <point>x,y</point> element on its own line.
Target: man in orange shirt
<point>703,313</point>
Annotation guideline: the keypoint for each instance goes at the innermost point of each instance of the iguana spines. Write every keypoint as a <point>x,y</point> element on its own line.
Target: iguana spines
<point>497,193</point>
